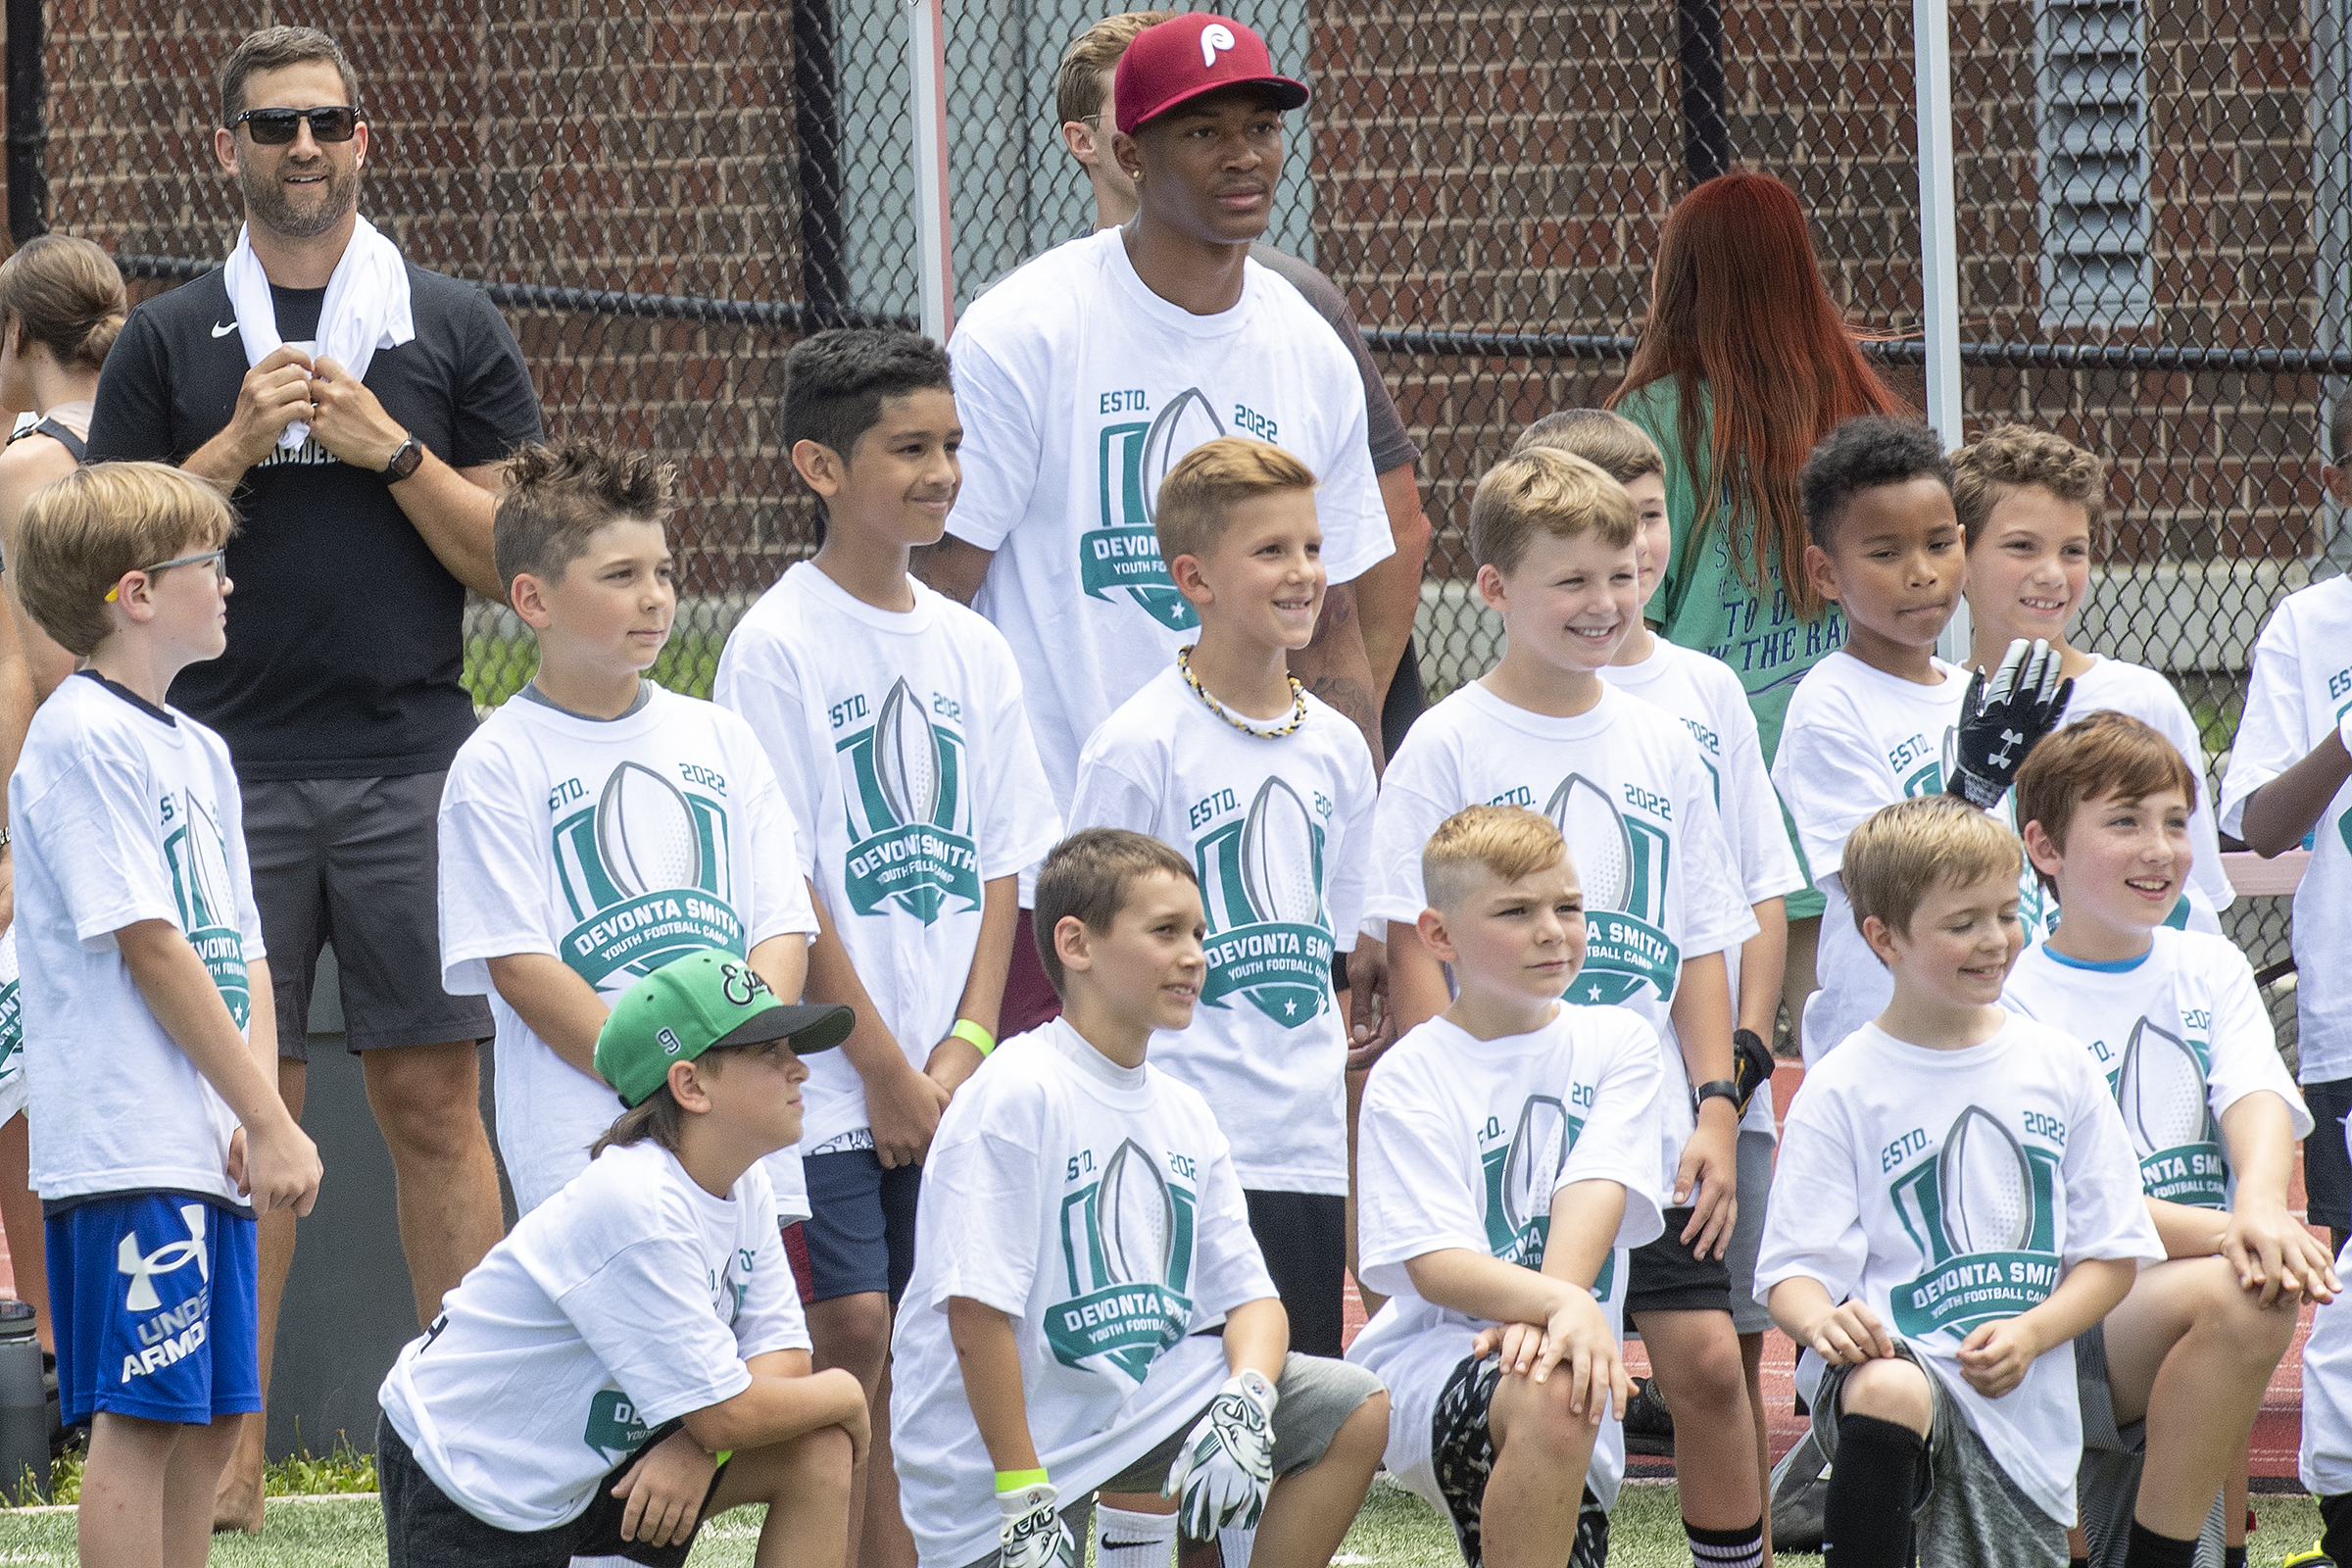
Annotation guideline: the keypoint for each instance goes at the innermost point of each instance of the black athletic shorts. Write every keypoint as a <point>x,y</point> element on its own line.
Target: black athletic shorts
<point>1666,1277</point>
<point>425,1528</point>
<point>1305,1238</point>
<point>2326,1166</point>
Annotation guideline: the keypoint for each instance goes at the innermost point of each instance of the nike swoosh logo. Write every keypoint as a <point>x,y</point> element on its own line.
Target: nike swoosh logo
<point>224,332</point>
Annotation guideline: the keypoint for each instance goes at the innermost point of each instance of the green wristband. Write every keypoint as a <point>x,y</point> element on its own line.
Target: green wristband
<point>1015,1480</point>
<point>980,1038</point>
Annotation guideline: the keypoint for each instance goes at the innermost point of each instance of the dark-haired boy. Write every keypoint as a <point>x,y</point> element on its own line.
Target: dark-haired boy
<point>894,718</point>
<point>1089,1307</point>
<point>598,826</point>
<point>631,1358</point>
<point>1879,720</point>
<point>2175,1023</point>
<point>1957,1200</point>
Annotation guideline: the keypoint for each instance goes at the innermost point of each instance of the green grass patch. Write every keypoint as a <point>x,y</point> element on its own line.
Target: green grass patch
<point>1396,1530</point>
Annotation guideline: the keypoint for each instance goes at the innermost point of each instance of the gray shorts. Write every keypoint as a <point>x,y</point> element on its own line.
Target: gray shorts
<point>1749,1315</point>
<point>1970,1512</point>
<point>1315,1399</point>
<point>2107,1482</point>
<point>354,861</point>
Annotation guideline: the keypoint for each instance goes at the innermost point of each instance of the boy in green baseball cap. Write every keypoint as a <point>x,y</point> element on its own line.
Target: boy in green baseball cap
<point>633,1359</point>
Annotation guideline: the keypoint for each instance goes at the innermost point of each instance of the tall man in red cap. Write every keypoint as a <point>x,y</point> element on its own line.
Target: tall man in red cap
<point>1084,377</point>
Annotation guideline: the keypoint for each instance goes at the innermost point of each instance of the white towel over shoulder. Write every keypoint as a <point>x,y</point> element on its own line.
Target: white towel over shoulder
<point>366,308</point>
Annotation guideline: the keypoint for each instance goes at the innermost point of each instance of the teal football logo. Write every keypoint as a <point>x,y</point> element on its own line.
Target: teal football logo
<point>1269,934</point>
<point>197,854</point>
<point>912,847</point>
<point>1982,1207</point>
<point>1121,556</point>
<point>645,875</point>
<point>2160,1086</point>
<point>1622,867</point>
<point>1127,1258</point>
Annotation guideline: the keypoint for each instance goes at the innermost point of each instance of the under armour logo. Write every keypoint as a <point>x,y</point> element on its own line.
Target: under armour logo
<point>168,1259</point>
<point>1213,38</point>
<point>2010,741</point>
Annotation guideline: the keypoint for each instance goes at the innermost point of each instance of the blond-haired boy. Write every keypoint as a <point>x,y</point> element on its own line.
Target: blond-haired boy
<point>1554,538</point>
<point>1958,1200</point>
<point>2175,1023</point>
<point>1268,793</point>
<point>151,1042</point>
<point>1705,694</point>
<point>1508,1160</point>
<point>2030,502</point>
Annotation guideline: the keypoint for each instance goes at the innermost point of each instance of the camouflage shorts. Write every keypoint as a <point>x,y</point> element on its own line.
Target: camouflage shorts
<point>1461,1454</point>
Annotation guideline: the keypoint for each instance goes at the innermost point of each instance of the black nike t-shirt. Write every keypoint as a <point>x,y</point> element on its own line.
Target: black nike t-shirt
<point>345,632</point>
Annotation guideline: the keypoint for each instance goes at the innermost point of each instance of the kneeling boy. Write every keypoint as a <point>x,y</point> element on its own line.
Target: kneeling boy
<point>1082,1246</point>
<point>1506,1160</point>
<point>1957,1201</point>
<point>150,1041</point>
<point>631,1358</point>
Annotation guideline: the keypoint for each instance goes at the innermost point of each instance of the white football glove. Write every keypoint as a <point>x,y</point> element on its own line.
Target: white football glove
<point>1228,1463</point>
<point>1033,1533</point>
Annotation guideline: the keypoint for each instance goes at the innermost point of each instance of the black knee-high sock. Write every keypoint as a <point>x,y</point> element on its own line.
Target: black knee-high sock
<point>2145,1548</point>
<point>1866,1518</point>
<point>2335,1514</point>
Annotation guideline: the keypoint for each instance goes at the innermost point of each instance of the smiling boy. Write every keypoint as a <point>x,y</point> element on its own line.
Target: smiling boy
<point>1957,1203</point>
<point>1089,1307</point>
<point>598,826</point>
<point>1554,541</point>
<point>894,718</point>
<point>2173,1021</point>
<point>2029,502</point>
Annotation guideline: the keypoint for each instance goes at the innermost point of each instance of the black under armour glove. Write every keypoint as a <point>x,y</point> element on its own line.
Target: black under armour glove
<point>1999,724</point>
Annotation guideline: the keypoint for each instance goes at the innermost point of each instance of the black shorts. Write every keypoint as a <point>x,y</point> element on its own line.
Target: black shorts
<point>355,863</point>
<point>425,1528</point>
<point>1461,1456</point>
<point>860,1232</point>
<point>1304,1238</point>
<point>2326,1166</point>
<point>1666,1277</point>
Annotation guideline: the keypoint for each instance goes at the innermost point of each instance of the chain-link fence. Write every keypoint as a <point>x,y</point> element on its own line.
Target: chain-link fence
<point>2153,209</point>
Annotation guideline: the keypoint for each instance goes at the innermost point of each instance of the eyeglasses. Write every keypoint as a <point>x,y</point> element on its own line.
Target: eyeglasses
<point>274,128</point>
<point>218,558</point>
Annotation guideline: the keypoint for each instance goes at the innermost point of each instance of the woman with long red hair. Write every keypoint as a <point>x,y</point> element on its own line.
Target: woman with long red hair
<point>1744,364</point>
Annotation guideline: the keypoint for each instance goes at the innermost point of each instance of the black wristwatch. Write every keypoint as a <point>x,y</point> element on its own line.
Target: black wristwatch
<point>1715,1089</point>
<point>404,460</point>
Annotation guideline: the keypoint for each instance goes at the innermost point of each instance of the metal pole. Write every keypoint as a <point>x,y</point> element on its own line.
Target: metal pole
<point>927,54</point>
<point>28,127</point>
<point>1698,47</point>
<point>1938,245</point>
<point>816,131</point>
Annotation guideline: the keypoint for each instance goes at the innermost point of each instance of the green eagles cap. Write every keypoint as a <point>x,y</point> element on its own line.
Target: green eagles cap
<point>693,1003</point>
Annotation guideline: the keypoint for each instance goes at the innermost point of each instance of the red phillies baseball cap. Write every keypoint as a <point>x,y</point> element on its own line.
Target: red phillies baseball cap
<point>1176,61</point>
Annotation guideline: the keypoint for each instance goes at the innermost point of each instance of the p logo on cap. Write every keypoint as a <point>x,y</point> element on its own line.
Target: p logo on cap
<point>1213,38</point>
<point>1157,74</point>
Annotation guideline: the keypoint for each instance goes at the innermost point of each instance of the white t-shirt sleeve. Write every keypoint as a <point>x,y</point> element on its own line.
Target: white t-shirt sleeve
<point>646,1314</point>
<point>1402,823</point>
<point>1832,779</point>
<point>240,864</point>
<point>1107,793</point>
<point>114,875</point>
<point>1021,820</point>
<point>493,879</point>
<point>990,1255</point>
<point>2106,1210</point>
<point>2244,1044</point>
<point>770,1318</point>
<point>780,892</point>
<point>1229,1269</point>
<point>1350,874</point>
<point>1001,446</point>
<point>1411,1196</point>
<point>2273,734</point>
<point>759,682</point>
<point>1751,811</point>
<point>1814,1229</point>
<point>1618,1142</point>
<point>1348,502</point>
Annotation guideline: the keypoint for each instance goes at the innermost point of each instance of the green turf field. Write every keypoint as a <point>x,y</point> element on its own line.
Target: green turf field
<point>1395,1531</point>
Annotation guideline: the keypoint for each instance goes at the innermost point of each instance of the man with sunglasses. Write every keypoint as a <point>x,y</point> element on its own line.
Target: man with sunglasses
<point>366,500</point>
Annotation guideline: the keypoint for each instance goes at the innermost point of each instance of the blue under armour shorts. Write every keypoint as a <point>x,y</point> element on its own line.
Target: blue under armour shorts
<point>153,1298</point>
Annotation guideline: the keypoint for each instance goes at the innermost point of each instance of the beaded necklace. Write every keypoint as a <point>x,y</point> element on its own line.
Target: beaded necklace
<point>1184,662</point>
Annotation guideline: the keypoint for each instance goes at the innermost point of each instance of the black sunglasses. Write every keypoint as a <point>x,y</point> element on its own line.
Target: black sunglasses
<point>274,128</point>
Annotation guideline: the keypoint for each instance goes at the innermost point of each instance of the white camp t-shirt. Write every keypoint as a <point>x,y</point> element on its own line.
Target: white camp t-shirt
<point>1856,739</point>
<point>1263,819</point>
<point>1462,1143</point>
<point>1079,389</point>
<point>1097,1206</point>
<point>124,812</point>
<point>1703,693</point>
<point>2302,684</point>
<point>2325,1459</point>
<point>15,1090</point>
<point>540,854</point>
<point>904,750</point>
<point>1630,790</point>
<point>2041,1177</point>
<point>631,1298</point>
<point>2181,1035</point>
